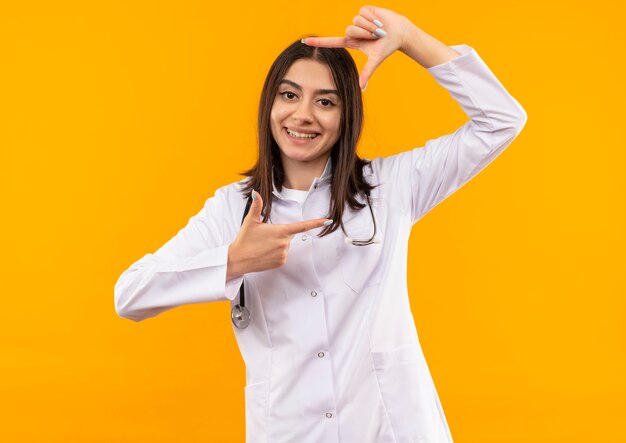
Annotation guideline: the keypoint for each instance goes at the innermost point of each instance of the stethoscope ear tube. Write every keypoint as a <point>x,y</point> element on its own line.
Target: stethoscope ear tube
<point>240,315</point>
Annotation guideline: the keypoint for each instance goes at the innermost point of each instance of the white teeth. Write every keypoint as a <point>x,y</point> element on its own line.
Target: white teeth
<point>299,135</point>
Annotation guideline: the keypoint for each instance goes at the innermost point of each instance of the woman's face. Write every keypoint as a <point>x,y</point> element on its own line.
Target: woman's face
<point>305,103</point>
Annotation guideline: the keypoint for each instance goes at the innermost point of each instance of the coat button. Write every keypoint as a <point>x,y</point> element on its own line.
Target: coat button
<point>329,415</point>
<point>313,294</point>
<point>304,237</point>
<point>320,354</point>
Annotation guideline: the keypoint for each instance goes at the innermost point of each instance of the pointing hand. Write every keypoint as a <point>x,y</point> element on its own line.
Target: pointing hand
<point>260,246</point>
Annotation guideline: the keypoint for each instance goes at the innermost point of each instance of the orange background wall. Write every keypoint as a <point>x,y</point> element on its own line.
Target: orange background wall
<point>118,120</point>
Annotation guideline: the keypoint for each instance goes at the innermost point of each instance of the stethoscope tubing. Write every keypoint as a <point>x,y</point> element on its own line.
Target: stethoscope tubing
<point>240,315</point>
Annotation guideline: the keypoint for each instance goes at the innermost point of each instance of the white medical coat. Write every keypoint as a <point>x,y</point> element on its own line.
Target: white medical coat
<point>332,353</point>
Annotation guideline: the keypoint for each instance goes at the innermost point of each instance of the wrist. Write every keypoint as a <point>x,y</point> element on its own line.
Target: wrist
<point>232,266</point>
<point>410,36</point>
<point>426,49</point>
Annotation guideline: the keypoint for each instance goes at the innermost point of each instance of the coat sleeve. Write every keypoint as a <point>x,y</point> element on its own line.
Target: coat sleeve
<point>189,268</point>
<point>423,177</point>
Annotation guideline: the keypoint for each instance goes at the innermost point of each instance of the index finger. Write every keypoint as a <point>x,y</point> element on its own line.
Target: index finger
<point>297,227</point>
<point>325,42</point>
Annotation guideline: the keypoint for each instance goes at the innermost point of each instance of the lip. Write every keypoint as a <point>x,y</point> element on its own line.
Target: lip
<point>302,131</point>
<point>299,141</point>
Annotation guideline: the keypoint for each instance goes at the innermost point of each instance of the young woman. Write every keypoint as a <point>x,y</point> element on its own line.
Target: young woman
<point>310,249</point>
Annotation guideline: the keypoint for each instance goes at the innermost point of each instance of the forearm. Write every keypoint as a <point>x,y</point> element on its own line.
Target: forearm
<point>157,283</point>
<point>425,49</point>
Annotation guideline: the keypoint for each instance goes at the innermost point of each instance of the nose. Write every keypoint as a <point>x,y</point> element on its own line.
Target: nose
<point>302,111</point>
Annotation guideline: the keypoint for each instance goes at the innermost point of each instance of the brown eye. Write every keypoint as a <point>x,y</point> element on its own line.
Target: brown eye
<point>330,105</point>
<point>287,92</point>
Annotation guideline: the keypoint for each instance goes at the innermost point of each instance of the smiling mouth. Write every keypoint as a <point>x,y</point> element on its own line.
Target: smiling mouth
<point>300,135</point>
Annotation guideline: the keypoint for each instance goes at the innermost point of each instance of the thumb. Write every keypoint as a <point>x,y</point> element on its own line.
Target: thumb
<point>367,71</point>
<point>254,214</point>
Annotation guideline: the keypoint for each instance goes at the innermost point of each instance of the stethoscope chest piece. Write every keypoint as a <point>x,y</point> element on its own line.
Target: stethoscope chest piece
<point>240,316</point>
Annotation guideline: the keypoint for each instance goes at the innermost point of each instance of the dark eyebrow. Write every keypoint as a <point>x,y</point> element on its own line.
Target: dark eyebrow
<point>319,91</point>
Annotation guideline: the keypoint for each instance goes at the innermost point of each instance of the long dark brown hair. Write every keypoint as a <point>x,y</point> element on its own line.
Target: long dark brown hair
<point>347,172</point>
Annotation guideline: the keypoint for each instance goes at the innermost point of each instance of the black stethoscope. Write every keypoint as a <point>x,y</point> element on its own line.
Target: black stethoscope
<point>240,314</point>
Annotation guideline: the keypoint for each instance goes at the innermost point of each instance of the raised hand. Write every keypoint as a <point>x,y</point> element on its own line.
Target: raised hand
<point>260,246</point>
<point>378,32</point>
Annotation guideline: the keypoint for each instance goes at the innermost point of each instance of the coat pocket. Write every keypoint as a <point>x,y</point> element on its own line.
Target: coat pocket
<point>360,264</point>
<point>257,411</point>
<point>406,391</point>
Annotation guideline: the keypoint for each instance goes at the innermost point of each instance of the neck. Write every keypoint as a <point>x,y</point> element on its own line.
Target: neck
<point>300,175</point>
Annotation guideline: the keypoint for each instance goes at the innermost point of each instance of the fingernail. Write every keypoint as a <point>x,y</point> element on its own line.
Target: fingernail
<point>253,195</point>
<point>380,32</point>
<point>302,41</point>
<point>328,222</point>
<point>378,23</point>
<point>363,90</point>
